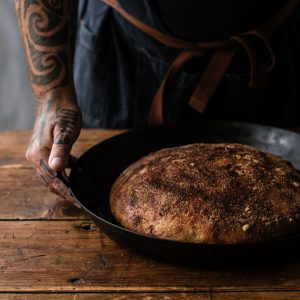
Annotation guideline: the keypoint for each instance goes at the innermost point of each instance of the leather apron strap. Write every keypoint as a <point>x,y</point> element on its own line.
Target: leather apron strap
<point>224,52</point>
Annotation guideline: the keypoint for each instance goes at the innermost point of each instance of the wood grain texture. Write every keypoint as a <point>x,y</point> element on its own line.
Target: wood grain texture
<point>108,296</point>
<point>27,198</point>
<point>48,250</point>
<point>256,296</point>
<point>65,256</point>
<point>13,144</point>
<point>157,296</point>
<point>22,194</point>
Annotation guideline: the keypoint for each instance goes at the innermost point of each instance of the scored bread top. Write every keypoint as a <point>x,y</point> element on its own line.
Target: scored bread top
<point>209,193</point>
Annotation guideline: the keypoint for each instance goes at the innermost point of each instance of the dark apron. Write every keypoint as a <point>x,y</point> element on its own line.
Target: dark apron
<point>119,68</point>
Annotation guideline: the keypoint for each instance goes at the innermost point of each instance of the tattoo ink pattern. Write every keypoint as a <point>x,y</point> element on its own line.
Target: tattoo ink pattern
<point>66,120</point>
<point>48,32</point>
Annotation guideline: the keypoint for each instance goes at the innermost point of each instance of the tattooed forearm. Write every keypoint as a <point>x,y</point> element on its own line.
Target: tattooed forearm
<point>66,120</point>
<point>48,31</point>
<point>48,27</point>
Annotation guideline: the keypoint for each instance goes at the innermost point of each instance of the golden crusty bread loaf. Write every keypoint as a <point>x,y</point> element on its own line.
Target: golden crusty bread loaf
<point>209,193</point>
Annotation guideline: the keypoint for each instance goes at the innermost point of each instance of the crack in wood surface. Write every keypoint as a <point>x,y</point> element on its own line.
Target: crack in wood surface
<point>11,264</point>
<point>31,257</point>
<point>104,263</point>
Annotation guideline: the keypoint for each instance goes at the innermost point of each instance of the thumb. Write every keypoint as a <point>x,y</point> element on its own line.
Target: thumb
<point>60,151</point>
<point>66,131</point>
<point>59,156</point>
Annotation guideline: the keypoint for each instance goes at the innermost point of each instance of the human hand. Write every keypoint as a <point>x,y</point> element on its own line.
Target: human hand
<point>56,128</point>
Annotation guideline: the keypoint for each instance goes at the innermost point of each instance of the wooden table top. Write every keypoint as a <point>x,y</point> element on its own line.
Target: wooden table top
<point>48,252</point>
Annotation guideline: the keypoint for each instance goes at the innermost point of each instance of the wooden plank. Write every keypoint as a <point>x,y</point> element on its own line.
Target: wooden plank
<point>256,296</point>
<point>11,174</point>
<point>20,187</point>
<point>23,196</point>
<point>108,296</point>
<point>31,200</point>
<point>13,144</point>
<point>153,296</point>
<point>63,256</point>
<point>69,256</point>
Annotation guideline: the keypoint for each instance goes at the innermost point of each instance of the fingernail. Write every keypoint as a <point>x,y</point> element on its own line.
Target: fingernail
<point>57,161</point>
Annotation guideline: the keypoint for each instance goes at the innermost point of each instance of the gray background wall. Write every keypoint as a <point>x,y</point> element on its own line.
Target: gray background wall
<point>16,100</point>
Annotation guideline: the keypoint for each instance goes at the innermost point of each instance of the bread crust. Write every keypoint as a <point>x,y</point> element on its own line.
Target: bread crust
<point>209,193</point>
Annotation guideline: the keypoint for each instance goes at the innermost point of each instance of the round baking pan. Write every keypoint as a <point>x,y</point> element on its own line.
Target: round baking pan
<point>94,173</point>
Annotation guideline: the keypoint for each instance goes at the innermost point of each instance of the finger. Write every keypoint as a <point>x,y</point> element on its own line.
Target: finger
<point>59,156</point>
<point>65,133</point>
<point>55,183</point>
<point>62,143</point>
<point>40,158</point>
<point>36,153</point>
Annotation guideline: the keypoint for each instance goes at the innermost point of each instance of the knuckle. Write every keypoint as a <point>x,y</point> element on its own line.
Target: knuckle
<point>31,152</point>
<point>28,155</point>
<point>31,157</point>
<point>34,153</point>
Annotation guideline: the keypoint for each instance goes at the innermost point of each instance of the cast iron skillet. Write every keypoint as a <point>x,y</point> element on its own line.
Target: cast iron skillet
<point>94,173</point>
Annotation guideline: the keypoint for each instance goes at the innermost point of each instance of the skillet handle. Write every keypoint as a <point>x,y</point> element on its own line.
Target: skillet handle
<point>59,184</point>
